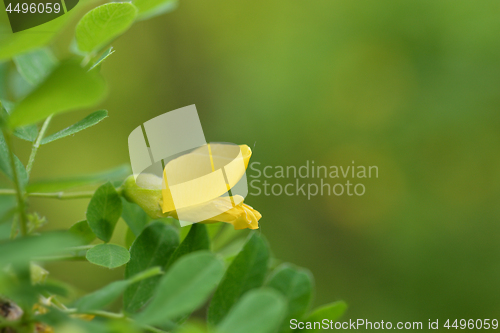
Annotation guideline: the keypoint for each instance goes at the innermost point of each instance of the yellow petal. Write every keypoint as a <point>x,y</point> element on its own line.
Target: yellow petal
<point>203,175</point>
<point>225,209</point>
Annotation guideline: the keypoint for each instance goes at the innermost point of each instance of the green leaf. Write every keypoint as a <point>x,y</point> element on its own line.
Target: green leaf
<point>55,185</point>
<point>67,88</point>
<point>246,272</point>
<point>28,133</point>
<point>5,165</point>
<point>103,211</point>
<point>35,66</point>
<point>134,216</point>
<point>108,255</point>
<point>103,24</point>
<point>260,311</point>
<point>105,296</point>
<point>103,57</point>
<point>82,230</point>
<point>85,123</point>
<point>26,248</point>
<point>153,247</point>
<point>24,41</point>
<point>332,311</point>
<point>184,288</point>
<point>196,240</point>
<point>296,284</point>
<point>151,8</point>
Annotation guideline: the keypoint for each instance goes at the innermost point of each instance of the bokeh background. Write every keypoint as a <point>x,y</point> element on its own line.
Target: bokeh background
<point>409,86</point>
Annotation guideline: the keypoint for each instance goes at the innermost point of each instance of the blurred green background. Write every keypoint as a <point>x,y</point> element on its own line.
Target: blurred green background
<point>409,86</point>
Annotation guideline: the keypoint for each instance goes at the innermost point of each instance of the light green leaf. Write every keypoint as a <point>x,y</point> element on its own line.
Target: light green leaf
<point>67,88</point>
<point>35,66</point>
<point>24,41</point>
<point>24,249</point>
<point>105,296</point>
<point>184,288</point>
<point>296,284</point>
<point>332,311</point>
<point>55,185</point>
<point>246,272</point>
<point>103,211</point>
<point>153,247</point>
<point>90,120</point>
<point>5,165</point>
<point>260,311</point>
<point>108,255</point>
<point>151,8</point>
<point>196,240</point>
<point>28,133</point>
<point>103,57</point>
<point>134,216</point>
<point>82,230</point>
<point>103,24</point>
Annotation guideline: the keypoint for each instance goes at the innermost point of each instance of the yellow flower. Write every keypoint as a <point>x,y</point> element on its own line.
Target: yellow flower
<point>200,200</point>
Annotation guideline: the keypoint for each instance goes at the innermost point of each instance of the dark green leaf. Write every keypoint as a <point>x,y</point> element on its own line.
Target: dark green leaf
<point>108,255</point>
<point>55,185</point>
<point>184,288</point>
<point>103,24</point>
<point>152,8</point>
<point>103,57</point>
<point>105,296</point>
<point>134,216</point>
<point>5,165</point>
<point>103,211</point>
<point>86,122</point>
<point>67,88</point>
<point>247,271</point>
<point>82,230</point>
<point>153,247</point>
<point>296,284</point>
<point>196,240</point>
<point>332,311</point>
<point>259,311</point>
<point>35,66</point>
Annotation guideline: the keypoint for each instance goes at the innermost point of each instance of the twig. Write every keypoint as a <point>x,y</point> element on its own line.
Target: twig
<point>112,315</point>
<point>36,144</point>
<point>23,219</point>
<point>54,195</point>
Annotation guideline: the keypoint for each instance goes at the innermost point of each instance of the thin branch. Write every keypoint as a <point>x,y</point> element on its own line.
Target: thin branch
<point>112,315</point>
<point>19,192</point>
<point>36,144</point>
<point>54,195</point>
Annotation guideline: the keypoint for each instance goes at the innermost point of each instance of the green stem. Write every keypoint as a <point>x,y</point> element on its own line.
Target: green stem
<point>36,144</point>
<point>23,219</point>
<point>111,315</point>
<point>53,195</point>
